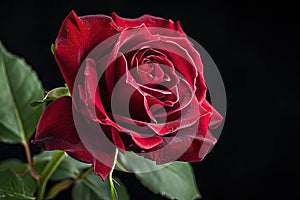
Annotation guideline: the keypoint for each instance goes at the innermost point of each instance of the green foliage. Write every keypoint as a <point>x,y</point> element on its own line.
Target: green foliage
<point>175,180</point>
<point>16,181</point>
<point>68,168</point>
<point>19,85</point>
<point>52,95</point>
<point>92,187</point>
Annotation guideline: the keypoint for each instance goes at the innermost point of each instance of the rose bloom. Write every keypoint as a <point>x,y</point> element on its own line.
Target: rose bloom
<point>149,71</point>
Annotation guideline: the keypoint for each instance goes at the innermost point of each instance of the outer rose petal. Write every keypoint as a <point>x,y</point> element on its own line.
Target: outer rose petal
<point>151,21</point>
<point>56,131</point>
<point>147,142</point>
<point>200,83</point>
<point>189,144</point>
<point>76,38</point>
<point>216,118</point>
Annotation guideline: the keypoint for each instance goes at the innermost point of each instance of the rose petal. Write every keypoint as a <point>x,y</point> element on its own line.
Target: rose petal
<point>115,71</point>
<point>216,118</point>
<point>184,95</point>
<point>180,58</point>
<point>129,38</point>
<point>99,28</point>
<point>151,75</point>
<point>117,139</point>
<point>198,149</point>
<point>93,100</point>
<point>92,103</point>
<point>96,139</point>
<point>186,44</point>
<point>56,131</point>
<point>76,38</point>
<point>152,21</point>
<point>189,144</point>
<point>101,169</point>
<point>187,117</point>
<point>168,78</point>
<point>147,142</point>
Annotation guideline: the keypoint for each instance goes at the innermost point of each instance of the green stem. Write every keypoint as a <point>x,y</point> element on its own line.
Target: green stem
<point>113,192</point>
<point>120,166</point>
<point>59,187</point>
<point>48,171</point>
<point>28,154</point>
<point>33,173</point>
<point>85,173</point>
<point>65,184</point>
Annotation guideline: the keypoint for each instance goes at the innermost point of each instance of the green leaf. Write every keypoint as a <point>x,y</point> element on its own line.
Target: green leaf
<point>12,187</point>
<point>22,170</point>
<point>59,187</point>
<point>48,171</point>
<point>93,188</point>
<point>175,180</point>
<point>68,168</point>
<point>58,92</point>
<point>19,85</point>
<point>134,163</point>
<point>52,48</point>
<point>121,190</point>
<point>52,95</point>
<point>10,164</point>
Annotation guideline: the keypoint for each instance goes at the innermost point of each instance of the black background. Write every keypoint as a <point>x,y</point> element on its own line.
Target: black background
<point>255,46</point>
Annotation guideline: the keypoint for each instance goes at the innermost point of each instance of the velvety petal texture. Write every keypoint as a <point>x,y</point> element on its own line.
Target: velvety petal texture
<point>56,131</point>
<point>151,21</point>
<point>77,37</point>
<point>138,80</point>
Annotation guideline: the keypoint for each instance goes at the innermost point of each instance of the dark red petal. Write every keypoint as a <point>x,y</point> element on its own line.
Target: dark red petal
<point>186,44</point>
<point>147,142</point>
<point>198,149</point>
<point>93,102</point>
<point>182,61</point>
<point>56,131</point>
<point>158,106</point>
<point>157,75</point>
<point>200,83</point>
<point>201,88</point>
<point>188,144</point>
<point>187,117</point>
<point>201,144</point>
<point>128,39</point>
<point>91,92</point>
<point>76,38</point>
<point>115,71</point>
<point>101,169</point>
<point>152,21</point>
<point>185,95</point>
<point>96,139</point>
<point>216,118</point>
<point>139,69</point>
<point>88,101</point>
<point>99,28</point>
<point>117,139</point>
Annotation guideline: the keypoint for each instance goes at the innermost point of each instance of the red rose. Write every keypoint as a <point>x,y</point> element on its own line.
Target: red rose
<point>138,80</point>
